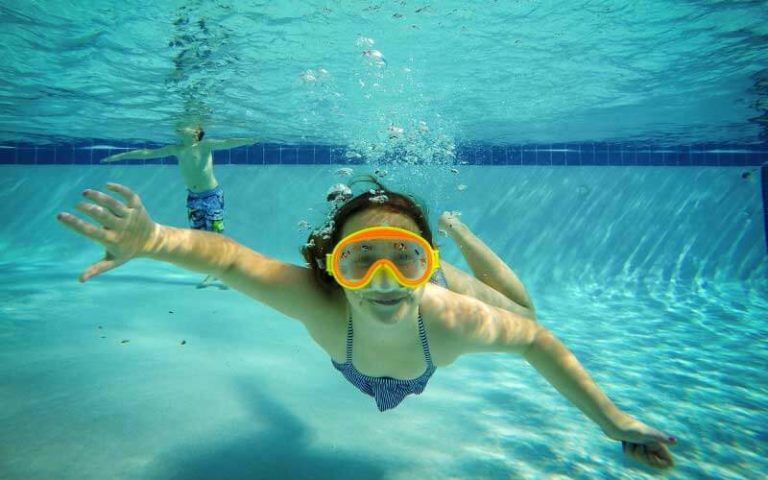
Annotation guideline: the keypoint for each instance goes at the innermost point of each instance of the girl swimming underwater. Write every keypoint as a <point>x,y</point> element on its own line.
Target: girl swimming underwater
<point>376,297</point>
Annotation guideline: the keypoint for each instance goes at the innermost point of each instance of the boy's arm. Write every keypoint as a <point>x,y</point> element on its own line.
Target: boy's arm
<point>143,154</point>
<point>229,143</point>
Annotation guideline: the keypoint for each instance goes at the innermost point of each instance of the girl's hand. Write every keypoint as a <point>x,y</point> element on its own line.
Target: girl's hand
<point>126,230</point>
<point>643,443</point>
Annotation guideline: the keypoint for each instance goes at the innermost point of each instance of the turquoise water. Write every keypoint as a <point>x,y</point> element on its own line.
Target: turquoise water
<point>519,72</point>
<point>666,309</point>
<point>655,277</point>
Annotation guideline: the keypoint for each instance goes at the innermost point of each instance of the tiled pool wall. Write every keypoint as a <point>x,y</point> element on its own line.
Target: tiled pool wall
<point>576,154</point>
<point>91,151</point>
<point>764,186</point>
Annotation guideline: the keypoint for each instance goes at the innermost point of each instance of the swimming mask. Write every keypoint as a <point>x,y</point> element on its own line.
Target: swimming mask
<point>408,257</point>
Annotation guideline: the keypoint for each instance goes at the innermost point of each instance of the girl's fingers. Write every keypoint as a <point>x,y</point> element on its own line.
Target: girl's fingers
<point>653,435</point>
<point>83,228</point>
<point>655,455</point>
<point>131,198</point>
<point>100,214</point>
<point>107,202</point>
<point>658,458</point>
<point>635,450</point>
<point>98,268</point>
<point>661,455</point>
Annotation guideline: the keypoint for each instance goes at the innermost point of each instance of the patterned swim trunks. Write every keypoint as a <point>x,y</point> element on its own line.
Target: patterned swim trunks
<point>206,210</point>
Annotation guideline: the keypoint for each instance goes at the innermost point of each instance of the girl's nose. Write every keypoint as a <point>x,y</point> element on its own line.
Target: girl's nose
<point>384,280</point>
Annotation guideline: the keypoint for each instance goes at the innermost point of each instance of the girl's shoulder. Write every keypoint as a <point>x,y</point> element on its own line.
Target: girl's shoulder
<point>441,310</point>
<point>464,324</point>
<point>440,307</point>
<point>328,328</point>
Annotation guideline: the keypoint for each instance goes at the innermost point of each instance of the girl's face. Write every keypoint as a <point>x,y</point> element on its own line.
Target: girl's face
<point>384,299</point>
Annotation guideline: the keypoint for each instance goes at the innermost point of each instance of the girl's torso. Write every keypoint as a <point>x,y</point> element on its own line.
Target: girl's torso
<point>403,360</point>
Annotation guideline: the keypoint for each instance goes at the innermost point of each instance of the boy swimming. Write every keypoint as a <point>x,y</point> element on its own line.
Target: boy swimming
<point>205,197</point>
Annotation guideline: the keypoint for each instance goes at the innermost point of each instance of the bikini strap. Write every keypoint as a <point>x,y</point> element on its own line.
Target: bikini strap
<point>424,342</point>
<point>349,339</point>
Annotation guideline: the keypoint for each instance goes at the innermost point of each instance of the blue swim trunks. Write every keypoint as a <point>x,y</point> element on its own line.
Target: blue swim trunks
<point>206,210</point>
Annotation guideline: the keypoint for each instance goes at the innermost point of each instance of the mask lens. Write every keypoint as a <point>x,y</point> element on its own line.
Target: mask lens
<point>356,260</point>
<point>408,257</point>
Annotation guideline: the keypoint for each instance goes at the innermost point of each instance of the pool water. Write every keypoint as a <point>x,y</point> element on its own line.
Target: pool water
<point>138,374</point>
<point>612,153</point>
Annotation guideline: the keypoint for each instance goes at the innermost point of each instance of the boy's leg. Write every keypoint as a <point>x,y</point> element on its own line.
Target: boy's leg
<point>214,222</point>
<point>215,211</point>
<point>195,211</point>
<point>205,212</point>
<point>485,264</point>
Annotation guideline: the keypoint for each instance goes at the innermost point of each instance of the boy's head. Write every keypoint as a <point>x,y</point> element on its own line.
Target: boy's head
<point>190,134</point>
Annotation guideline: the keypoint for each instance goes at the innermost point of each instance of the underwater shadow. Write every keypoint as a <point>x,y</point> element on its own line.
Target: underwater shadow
<point>14,273</point>
<point>55,277</point>
<point>132,279</point>
<point>281,451</point>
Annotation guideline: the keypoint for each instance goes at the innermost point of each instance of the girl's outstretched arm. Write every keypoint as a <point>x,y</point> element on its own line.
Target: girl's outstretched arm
<point>473,326</point>
<point>126,231</point>
<point>562,369</point>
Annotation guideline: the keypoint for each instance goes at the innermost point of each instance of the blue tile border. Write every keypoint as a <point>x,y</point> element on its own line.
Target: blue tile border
<point>338,155</point>
<point>483,156</point>
<point>91,151</point>
<point>557,154</point>
<point>86,152</point>
<point>499,155</point>
<point>305,155</point>
<point>256,154</point>
<point>764,188</point>
<point>237,156</point>
<point>322,154</point>
<point>272,155</point>
<point>528,155</point>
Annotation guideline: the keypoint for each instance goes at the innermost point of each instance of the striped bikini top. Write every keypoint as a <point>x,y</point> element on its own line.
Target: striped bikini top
<point>387,391</point>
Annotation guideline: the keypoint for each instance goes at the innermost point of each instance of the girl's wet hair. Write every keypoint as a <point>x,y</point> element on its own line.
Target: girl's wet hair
<point>200,134</point>
<point>322,240</point>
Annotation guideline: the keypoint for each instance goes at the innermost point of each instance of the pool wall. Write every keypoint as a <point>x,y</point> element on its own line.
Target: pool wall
<point>669,226</point>
<point>90,151</point>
